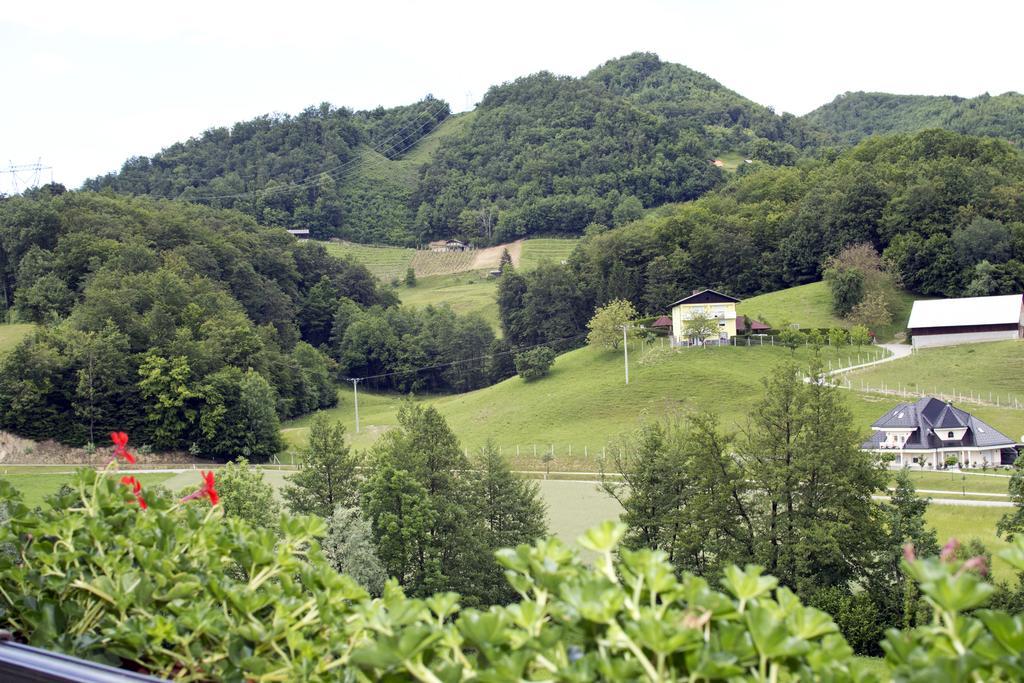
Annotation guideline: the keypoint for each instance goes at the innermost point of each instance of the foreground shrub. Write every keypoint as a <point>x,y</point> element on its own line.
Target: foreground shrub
<point>184,592</point>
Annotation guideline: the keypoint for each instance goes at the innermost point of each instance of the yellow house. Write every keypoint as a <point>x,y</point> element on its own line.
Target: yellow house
<point>719,307</point>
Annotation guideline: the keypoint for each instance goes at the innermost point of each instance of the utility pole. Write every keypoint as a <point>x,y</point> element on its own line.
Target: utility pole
<point>355,392</point>
<point>625,350</point>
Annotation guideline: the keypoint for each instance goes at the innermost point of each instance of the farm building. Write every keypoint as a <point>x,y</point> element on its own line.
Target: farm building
<point>925,433</point>
<point>662,323</point>
<point>944,322</point>
<point>447,245</point>
<point>299,233</point>
<point>707,302</point>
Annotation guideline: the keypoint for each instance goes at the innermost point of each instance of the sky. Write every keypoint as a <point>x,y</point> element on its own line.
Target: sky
<point>88,84</point>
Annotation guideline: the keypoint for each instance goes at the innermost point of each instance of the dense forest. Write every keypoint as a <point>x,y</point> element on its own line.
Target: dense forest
<point>542,154</point>
<point>196,328</point>
<point>854,116</point>
<point>302,171</point>
<point>943,209</point>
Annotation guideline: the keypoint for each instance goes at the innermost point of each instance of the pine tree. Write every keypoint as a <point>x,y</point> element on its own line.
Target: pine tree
<point>327,478</point>
<point>349,548</point>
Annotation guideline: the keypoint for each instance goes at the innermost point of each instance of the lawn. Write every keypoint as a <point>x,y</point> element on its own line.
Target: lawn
<point>471,292</point>
<point>10,335</point>
<point>386,263</point>
<point>994,371</point>
<point>540,250</point>
<point>584,406</point>
<point>36,486</point>
<point>965,523</point>
<point>811,306</point>
<point>957,481</point>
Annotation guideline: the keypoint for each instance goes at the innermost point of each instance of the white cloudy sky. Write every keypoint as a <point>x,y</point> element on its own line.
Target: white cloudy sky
<point>87,84</point>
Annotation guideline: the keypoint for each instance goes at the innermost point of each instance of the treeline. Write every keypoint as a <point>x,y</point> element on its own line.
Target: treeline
<point>943,209</point>
<point>289,171</point>
<point>855,115</point>
<point>195,328</point>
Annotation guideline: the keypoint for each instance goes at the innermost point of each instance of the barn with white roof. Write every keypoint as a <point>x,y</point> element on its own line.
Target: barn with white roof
<point>944,322</point>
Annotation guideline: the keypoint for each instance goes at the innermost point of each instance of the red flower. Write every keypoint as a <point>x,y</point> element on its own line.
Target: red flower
<point>136,488</point>
<point>207,489</point>
<point>120,440</point>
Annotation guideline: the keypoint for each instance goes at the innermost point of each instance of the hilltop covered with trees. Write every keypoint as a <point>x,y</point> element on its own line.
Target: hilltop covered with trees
<point>541,154</point>
<point>855,115</point>
<point>943,209</point>
<point>196,328</point>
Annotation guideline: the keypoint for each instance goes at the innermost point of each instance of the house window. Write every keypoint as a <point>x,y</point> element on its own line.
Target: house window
<point>721,323</point>
<point>949,435</point>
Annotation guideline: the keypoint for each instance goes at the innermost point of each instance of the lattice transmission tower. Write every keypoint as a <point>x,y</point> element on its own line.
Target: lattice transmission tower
<point>26,176</point>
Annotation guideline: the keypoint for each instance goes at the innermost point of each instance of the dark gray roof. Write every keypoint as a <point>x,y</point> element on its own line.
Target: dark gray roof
<point>707,296</point>
<point>930,413</point>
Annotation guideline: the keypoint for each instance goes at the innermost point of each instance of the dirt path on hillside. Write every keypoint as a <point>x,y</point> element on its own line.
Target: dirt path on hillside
<point>491,256</point>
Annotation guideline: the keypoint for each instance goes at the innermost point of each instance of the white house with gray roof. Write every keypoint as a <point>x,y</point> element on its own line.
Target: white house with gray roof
<point>944,322</point>
<point>925,433</point>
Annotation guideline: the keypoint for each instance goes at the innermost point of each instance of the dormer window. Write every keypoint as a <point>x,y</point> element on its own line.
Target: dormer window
<point>949,435</point>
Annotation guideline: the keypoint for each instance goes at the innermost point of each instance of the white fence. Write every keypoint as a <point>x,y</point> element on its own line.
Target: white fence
<point>983,398</point>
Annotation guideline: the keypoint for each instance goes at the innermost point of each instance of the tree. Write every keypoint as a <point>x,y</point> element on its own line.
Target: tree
<point>410,277</point>
<point>506,259</point>
<point>794,492</point>
<point>534,363</point>
<point>629,209</point>
<point>172,409</point>
<point>348,547</point>
<point>1012,522</point>
<point>847,287</point>
<point>244,494</point>
<point>326,479</point>
<point>872,310</point>
<point>606,325</point>
<point>511,510</point>
<point>810,484</point>
<point>700,326</point>
<point>418,503</point>
<point>860,335</point>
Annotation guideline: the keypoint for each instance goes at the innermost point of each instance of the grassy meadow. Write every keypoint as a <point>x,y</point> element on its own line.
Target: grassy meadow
<point>810,306</point>
<point>585,405</point>
<point>993,370</point>
<point>386,263</point>
<point>35,486</point>
<point>471,292</point>
<point>10,335</point>
<point>540,250</point>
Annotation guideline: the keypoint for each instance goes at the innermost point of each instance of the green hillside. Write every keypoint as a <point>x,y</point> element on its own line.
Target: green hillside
<point>810,306</point>
<point>10,335</point>
<point>584,402</point>
<point>384,262</point>
<point>994,371</point>
<point>466,292</point>
<point>856,115</point>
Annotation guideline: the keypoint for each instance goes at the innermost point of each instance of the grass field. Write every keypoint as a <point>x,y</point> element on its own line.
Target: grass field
<point>585,405</point>
<point>36,486</point>
<point>957,481</point>
<point>811,306</point>
<point>384,262</point>
<point>551,250</point>
<point>471,292</point>
<point>995,370</point>
<point>10,335</point>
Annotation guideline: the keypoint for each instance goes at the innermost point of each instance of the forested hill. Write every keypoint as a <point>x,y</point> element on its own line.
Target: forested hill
<point>856,115</point>
<point>944,209</point>
<point>549,154</point>
<point>541,154</point>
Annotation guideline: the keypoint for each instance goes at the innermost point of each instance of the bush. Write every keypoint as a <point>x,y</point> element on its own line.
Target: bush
<point>157,589</point>
<point>792,338</point>
<point>535,363</point>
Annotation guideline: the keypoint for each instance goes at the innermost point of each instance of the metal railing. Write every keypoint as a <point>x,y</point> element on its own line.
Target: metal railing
<point>24,664</point>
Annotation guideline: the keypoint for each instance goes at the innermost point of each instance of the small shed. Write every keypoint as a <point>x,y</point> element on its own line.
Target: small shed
<point>299,233</point>
<point>663,322</point>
